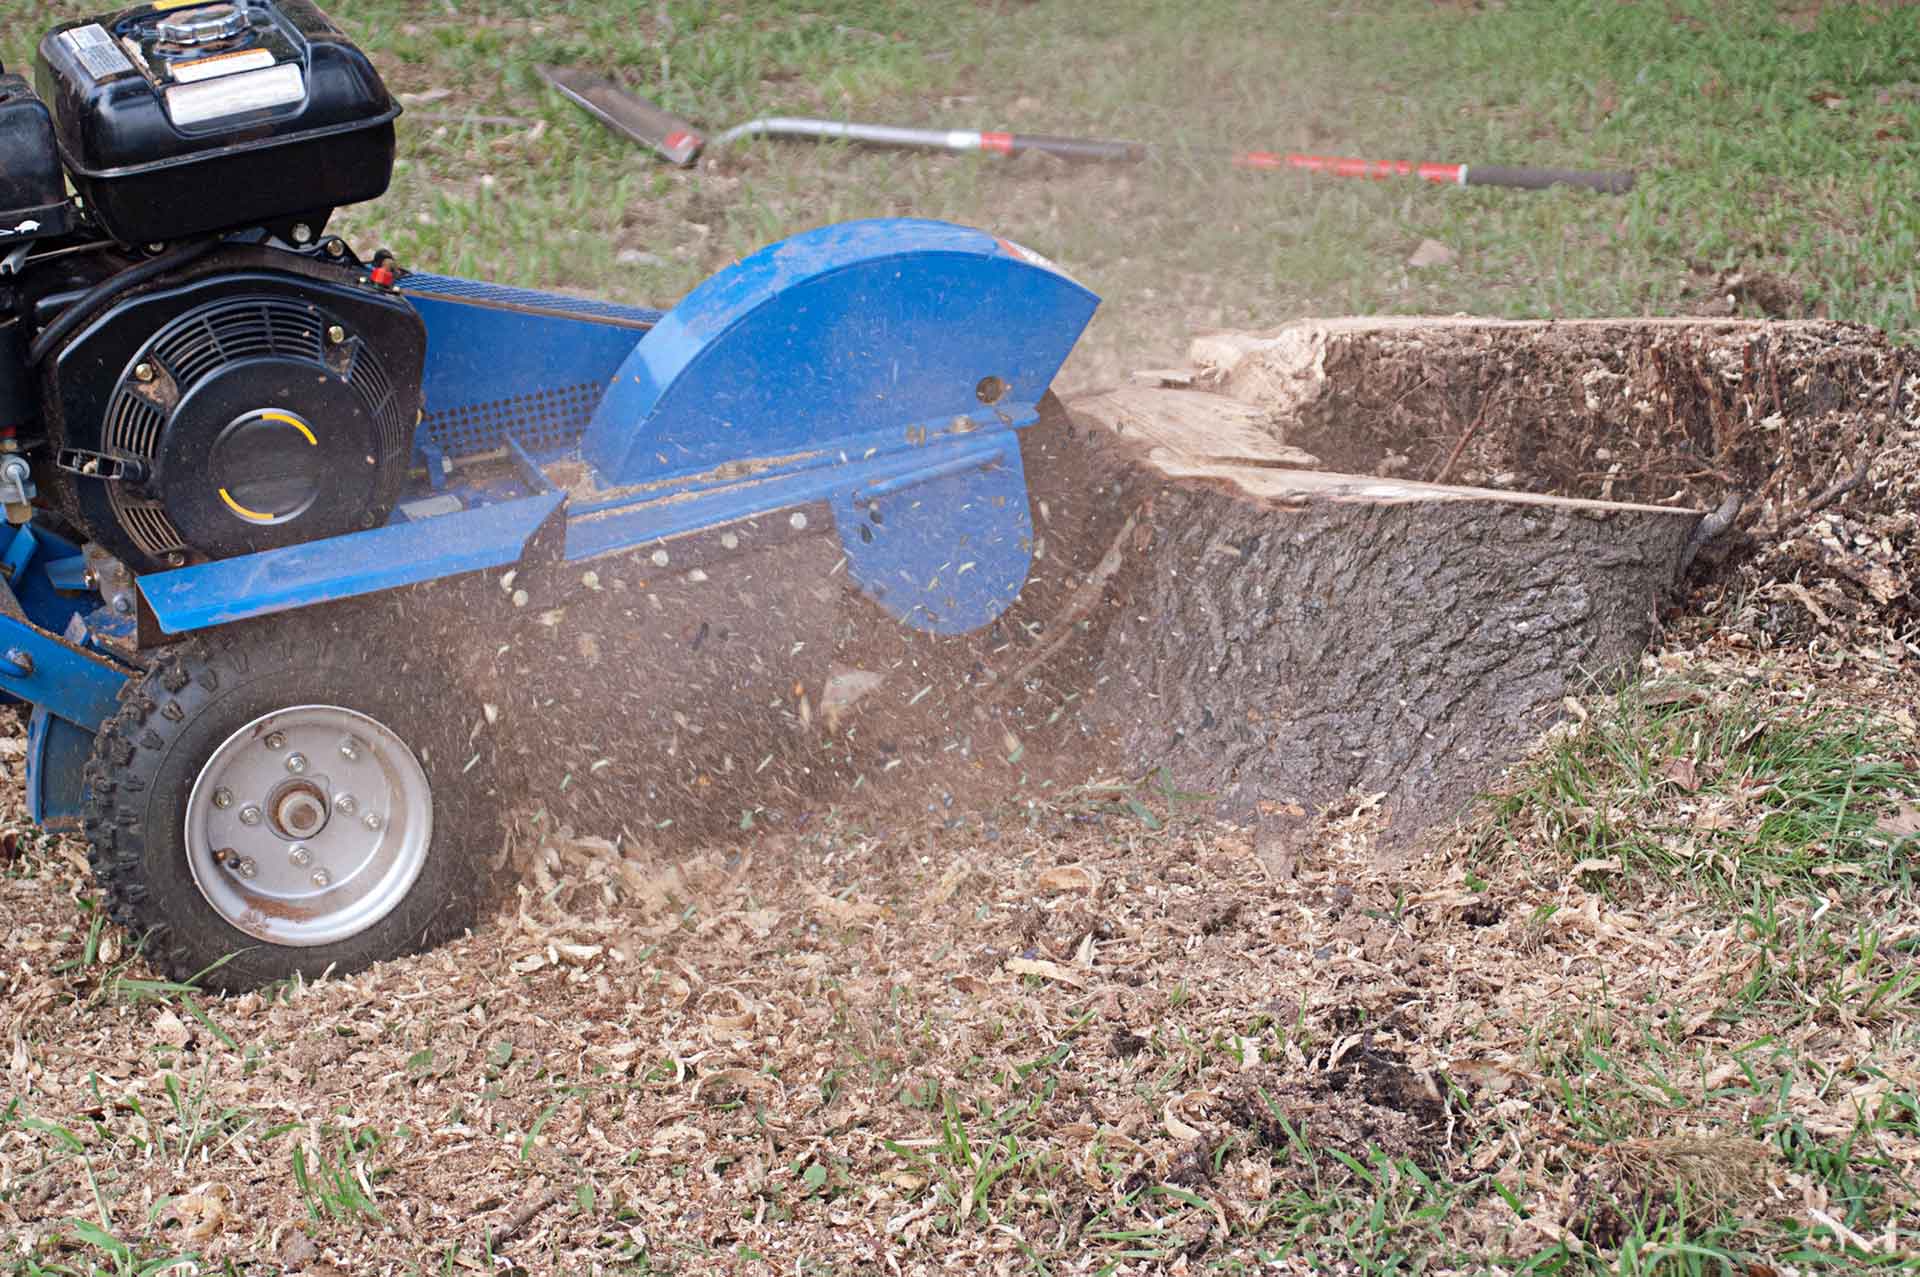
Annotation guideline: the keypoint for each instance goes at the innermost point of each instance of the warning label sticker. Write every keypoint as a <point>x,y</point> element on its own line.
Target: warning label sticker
<point>96,51</point>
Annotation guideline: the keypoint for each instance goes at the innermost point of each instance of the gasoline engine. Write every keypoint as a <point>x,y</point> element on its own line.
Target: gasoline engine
<point>190,367</point>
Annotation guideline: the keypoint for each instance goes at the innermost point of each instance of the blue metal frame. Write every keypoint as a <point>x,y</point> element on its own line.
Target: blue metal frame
<point>845,365</point>
<point>39,664</point>
<point>361,563</point>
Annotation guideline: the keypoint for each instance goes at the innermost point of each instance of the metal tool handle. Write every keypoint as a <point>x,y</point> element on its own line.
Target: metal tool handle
<point>1539,179</point>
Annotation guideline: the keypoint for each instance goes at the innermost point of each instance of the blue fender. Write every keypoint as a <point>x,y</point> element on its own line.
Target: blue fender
<point>841,335</point>
<point>906,352</point>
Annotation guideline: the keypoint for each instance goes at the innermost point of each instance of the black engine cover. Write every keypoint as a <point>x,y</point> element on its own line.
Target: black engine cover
<point>263,401</point>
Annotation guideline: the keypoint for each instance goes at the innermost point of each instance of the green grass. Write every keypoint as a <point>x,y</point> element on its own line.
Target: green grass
<point>1739,799</point>
<point>1765,136</point>
<point>1773,815</point>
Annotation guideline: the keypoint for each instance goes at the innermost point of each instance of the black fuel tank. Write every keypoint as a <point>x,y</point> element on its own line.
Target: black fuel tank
<point>177,120</point>
<point>33,195</point>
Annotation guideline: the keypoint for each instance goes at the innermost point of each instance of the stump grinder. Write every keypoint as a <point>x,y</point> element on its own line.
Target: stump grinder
<point>260,488</point>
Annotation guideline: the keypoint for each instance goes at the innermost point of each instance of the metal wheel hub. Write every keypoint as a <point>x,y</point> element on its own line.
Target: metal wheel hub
<point>298,809</point>
<point>309,825</point>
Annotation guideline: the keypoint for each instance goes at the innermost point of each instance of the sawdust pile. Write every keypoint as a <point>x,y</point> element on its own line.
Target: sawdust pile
<point>888,1038</point>
<point>932,1047</point>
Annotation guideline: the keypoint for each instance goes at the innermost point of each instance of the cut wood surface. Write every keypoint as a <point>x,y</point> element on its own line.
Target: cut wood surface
<point>1672,411</point>
<point>1197,425</point>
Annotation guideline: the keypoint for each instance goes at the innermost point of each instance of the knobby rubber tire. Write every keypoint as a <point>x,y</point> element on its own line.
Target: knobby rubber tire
<point>191,699</point>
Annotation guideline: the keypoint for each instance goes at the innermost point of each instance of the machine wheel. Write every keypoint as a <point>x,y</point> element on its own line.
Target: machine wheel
<point>290,801</point>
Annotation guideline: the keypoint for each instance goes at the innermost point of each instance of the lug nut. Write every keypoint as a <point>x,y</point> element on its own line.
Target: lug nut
<point>249,815</point>
<point>350,750</point>
<point>321,878</point>
<point>276,740</point>
<point>296,763</point>
<point>346,804</point>
<point>336,334</point>
<point>300,856</point>
<point>372,821</point>
<point>143,372</point>
<point>246,868</point>
<point>223,798</point>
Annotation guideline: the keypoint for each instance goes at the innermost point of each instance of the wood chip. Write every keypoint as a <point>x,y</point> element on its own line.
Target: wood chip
<point>1047,971</point>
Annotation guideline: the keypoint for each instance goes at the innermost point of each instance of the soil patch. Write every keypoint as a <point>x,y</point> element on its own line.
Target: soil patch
<point>1366,1100</point>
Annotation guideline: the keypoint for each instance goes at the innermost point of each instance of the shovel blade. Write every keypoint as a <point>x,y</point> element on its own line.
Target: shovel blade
<point>627,113</point>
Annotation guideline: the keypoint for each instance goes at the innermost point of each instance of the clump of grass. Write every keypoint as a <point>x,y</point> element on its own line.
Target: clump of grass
<point>335,1182</point>
<point>1717,790</point>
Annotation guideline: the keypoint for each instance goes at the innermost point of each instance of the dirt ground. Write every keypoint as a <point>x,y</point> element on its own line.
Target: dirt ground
<point>1055,1030</point>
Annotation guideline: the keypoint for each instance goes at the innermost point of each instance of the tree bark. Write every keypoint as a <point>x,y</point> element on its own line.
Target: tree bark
<point>1283,638</point>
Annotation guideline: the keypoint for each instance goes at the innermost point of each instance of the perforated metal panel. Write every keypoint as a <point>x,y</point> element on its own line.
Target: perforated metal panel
<point>540,420</point>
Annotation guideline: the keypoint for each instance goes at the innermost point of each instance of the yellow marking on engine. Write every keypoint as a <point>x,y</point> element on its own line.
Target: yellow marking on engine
<point>295,422</point>
<point>252,515</point>
<point>161,6</point>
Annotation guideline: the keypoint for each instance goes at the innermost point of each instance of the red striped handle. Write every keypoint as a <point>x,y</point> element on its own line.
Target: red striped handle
<point>1531,179</point>
<point>1346,166</point>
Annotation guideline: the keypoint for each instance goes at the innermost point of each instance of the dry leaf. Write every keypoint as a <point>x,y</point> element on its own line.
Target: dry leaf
<point>1176,1126</point>
<point>1673,693</point>
<point>950,882</point>
<point>1609,865</point>
<point>1904,823</point>
<point>1683,773</point>
<point>745,1079</point>
<point>202,1213</point>
<point>847,913</point>
<point>170,1028</point>
<point>1430,253</point>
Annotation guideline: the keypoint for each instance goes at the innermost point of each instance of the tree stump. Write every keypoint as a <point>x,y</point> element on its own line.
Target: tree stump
<point>1284,637</point>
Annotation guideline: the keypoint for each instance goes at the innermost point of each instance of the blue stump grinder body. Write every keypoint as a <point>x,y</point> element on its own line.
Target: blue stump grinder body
<point>881,371</point>
<point>229,446</point>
